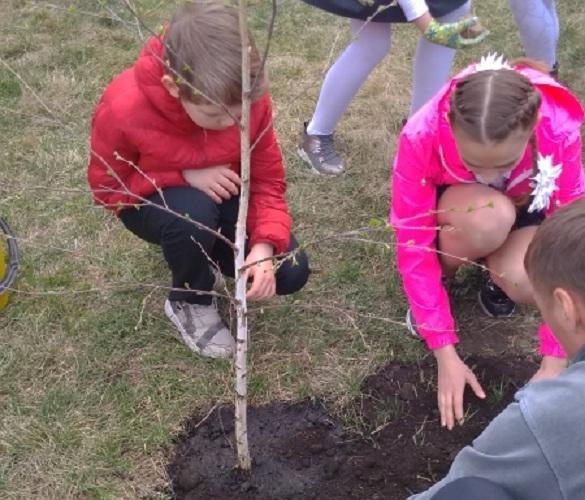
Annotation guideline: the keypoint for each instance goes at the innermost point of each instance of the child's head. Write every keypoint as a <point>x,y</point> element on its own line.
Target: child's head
<point>493,114</point>
<point>555,263</point>
<point>203,52</point>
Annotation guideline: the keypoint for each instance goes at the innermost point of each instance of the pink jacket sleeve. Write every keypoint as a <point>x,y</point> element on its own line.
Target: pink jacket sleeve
<point>414,221</point>
<point>571,185</point>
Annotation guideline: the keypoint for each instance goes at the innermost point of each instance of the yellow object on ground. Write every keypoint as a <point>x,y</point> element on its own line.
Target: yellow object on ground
<point>3,270</point>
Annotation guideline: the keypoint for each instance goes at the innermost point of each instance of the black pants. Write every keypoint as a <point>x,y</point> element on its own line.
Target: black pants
<point>185,258</point>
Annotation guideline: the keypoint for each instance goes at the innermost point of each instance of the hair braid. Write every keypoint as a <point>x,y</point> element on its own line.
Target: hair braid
<point>490,105</point>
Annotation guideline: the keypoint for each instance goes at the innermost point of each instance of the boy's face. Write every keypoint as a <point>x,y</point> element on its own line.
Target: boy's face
<point>210,116</point>
<point>563,314</point>
<point>206,115</point>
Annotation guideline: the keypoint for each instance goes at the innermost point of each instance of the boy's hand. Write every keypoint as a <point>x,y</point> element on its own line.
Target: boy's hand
<point>452,34</point>
<point>262,274</point>
<point>454,374</point>
<point>219,183</point>
<point>550,367</point>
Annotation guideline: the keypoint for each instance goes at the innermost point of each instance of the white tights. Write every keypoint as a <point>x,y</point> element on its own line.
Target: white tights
<point>343,80</point>
<point>538,25</point>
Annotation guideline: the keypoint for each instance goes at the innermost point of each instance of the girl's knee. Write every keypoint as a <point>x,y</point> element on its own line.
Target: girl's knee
<point>191,219</point>
<point>481,215</point>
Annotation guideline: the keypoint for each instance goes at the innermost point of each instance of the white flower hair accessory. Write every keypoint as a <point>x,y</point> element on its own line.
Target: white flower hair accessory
<point>493,61</point>
<point>544,183</point>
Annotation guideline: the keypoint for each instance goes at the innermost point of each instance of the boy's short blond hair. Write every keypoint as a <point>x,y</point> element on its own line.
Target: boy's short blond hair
<point>204,53</point>
<point>556,255</point>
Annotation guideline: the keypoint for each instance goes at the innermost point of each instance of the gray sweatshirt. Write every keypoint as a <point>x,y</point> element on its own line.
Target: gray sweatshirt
<point>535,448</point>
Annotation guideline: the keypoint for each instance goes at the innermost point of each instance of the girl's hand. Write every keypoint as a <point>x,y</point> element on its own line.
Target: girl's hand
<point>219,183</point>
<point>550,367</point>
<point>264,283</point>
<point>454,35</point>
<point>454,374</point>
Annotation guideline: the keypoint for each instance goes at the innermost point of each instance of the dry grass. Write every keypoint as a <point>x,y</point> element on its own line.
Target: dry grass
<point>93,385</point>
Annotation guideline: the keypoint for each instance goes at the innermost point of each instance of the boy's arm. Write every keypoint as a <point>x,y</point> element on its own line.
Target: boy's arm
<point>508,454</point>
<point>268,217</point>
<point>113,173</point>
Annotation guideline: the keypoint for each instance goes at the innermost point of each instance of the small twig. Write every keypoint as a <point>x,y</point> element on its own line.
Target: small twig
<point>207,415</point>
<point>266,49</point>
<point>147,296</point>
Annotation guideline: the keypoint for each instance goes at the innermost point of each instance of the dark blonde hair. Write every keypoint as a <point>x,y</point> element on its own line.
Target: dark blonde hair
<point>555,257</point>
<point>489,105</point>
<point>204,53</point>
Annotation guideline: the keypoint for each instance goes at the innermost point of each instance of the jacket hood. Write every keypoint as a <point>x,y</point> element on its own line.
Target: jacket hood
<point>148,70</point>
<point>561,113</point>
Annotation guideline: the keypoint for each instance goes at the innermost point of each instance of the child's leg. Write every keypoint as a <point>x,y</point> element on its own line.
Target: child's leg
<point>176,236</point>
<point>290,276</point>
<point>472,234</point>
<point>348,74</point>
<point>538,26</point>
<point>432,63</point>
<point>507,265</point>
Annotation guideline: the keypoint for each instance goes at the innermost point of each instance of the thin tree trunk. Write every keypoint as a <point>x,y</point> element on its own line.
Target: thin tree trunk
<point>244,462</point>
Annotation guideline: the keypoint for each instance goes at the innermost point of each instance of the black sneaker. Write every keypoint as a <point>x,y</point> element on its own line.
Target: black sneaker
<point>554,72</point>
<point>492,299</point>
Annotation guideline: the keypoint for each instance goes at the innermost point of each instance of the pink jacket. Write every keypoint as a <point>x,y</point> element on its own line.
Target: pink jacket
<point>427,158</point>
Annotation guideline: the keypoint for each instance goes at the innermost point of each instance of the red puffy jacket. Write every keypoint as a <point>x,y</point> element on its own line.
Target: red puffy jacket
<point>141,140</point>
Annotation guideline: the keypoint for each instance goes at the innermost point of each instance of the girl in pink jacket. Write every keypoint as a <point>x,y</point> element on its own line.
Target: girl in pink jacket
<point>477,168</point>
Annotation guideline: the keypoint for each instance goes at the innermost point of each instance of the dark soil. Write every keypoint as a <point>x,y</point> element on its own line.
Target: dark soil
<point>300,452</point>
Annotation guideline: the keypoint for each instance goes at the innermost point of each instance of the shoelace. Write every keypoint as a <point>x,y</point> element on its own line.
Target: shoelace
<point>325,148</point>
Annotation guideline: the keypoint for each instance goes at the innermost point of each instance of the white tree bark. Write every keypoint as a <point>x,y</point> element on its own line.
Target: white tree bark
<point>244,461</point>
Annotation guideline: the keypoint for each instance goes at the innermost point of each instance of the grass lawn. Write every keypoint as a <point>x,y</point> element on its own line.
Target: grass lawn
<point>93,385</point>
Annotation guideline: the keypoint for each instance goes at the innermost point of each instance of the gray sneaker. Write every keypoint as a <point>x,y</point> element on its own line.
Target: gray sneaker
<point>319,152</point>
<point>219,283</point>
<point>201,328</point>
<point>410,326</point>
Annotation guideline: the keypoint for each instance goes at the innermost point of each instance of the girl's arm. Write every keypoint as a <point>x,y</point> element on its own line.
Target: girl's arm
<point>571,185</point>
<point>461,34</point>
<point>414,220</point>
<point>413,9</point>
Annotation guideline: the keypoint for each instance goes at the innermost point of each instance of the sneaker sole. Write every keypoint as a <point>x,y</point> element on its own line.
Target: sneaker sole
<point>488,313</point>
<point>185,338</point>
<point>410,327</point>
<point>305,157</point>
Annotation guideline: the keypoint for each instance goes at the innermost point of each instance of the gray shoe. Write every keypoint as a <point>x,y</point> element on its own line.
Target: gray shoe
<point>201,328</point>
<point>410,326</point>
<point>319,152</point>
<point>219,283</point>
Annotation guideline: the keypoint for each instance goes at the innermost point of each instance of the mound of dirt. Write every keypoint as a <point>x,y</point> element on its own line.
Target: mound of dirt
<point>300,452</point>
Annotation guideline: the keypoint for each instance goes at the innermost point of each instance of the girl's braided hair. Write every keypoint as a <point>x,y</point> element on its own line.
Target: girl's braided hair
<point>490,105</point>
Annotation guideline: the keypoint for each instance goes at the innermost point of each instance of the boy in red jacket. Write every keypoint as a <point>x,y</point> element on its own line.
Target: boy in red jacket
<point>165,148</point>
